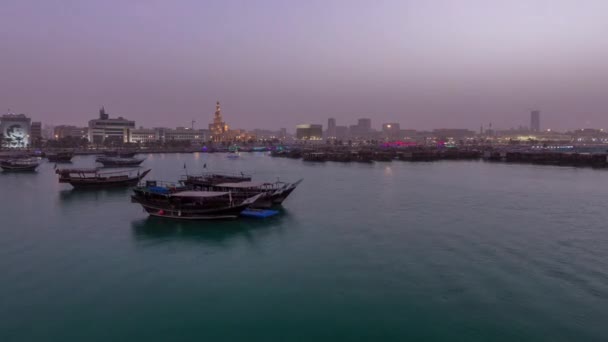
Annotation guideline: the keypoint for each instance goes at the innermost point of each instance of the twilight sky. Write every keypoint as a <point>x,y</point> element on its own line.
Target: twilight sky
<point>422,63</point>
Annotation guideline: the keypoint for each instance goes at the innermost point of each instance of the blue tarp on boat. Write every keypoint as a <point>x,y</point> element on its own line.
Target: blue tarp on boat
<point>158,190</point>
<point>258,213</point>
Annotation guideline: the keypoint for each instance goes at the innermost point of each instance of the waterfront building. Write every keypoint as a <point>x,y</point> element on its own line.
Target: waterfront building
<point>331,128</point>
<point>453,133</point>
<point>265,134</point>
<point>195,136</point>
<point>64,131</point>
<point>36,131</point>
<point>105,128</point>
<point>391,130</point>
<point>365,124</point>
<point>144,135</point>
<point>48,131</point>
<point>15,129</point>
<point>341,132</point>
<point>162,134</point>
<point>362,130</point>
<point>218,128</point>
<point>589,135</point>
<point>309,132</point>
<point>535,121</point>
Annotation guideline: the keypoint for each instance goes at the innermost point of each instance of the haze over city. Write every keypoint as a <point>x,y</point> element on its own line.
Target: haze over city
<point>425,64</point>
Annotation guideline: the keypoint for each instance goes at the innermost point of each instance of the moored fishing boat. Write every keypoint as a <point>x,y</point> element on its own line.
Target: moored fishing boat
<point>314,157</point>
<point>60,157</point>
<point>177,202</point>
<point>119,161</point>
<point>95,178</point>
<point>14,165</point>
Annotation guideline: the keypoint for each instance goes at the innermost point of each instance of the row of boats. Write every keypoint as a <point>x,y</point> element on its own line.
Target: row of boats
<point>370,155</point>
<point>66,156</point>
<point>31,164</point>
<point>192,197</point>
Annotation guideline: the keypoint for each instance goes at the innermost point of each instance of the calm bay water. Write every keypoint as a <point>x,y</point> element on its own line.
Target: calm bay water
<point>390,251</point>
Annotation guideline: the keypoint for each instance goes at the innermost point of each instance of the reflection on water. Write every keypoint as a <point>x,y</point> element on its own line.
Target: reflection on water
<point>213,232</point>
<point>77,195</point>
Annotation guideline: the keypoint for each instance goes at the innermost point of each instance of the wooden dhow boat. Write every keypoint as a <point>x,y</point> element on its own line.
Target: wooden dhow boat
<point>60,157</point>
<point>16,165</point>
<point>119,161</point>
<point>177,202</point>
<point>95,178</point>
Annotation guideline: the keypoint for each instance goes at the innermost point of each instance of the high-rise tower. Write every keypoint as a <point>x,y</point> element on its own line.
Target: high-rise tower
<point>535,121</point>
<point>331,128</point>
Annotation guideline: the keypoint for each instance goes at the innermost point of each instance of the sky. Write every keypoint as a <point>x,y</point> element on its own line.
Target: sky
<point>422,63</point>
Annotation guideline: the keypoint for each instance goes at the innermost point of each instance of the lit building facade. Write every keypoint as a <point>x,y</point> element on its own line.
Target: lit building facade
<point>16,130</point>
<point>391,130</point>
<point>309,132</point>
<point>105,128</point>
<point>143,135</point>
<point>64,131</point>
<point>197,136</point>
<point>161,134</point>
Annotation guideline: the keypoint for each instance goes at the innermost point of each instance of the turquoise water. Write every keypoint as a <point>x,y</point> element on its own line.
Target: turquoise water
<point>466,251</point>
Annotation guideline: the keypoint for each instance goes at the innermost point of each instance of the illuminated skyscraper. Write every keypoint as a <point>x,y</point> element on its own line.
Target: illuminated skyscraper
<point>218,128</point>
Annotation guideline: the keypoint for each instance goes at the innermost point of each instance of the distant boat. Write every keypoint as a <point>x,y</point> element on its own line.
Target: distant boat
<point>14,165</point>
<point>233,155</point>
<point>183,204</point>
<point>95,178</point>
<point>60,157</point>
<point>119,162</point>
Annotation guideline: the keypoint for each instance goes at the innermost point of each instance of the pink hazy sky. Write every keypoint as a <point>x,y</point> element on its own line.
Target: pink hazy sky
<point>424,63</point>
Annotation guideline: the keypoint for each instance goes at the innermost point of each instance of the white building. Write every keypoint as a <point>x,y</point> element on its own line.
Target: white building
<point>104,128</point>
<point>186,134</point>
<point>143,135</point>
<point>147,135</point>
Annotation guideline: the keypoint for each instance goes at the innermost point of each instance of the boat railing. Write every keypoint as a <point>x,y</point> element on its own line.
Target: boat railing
<point>159,184</point>
<point>216,174</point>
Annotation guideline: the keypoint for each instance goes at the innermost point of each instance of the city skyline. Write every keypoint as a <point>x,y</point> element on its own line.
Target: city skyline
<point>424,64</point>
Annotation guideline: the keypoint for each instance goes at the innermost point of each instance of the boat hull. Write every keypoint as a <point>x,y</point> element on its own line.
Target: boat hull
<point>9,168</point>
<point>201,214</point>
<point>83,183</point>
<point>121,164</point>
